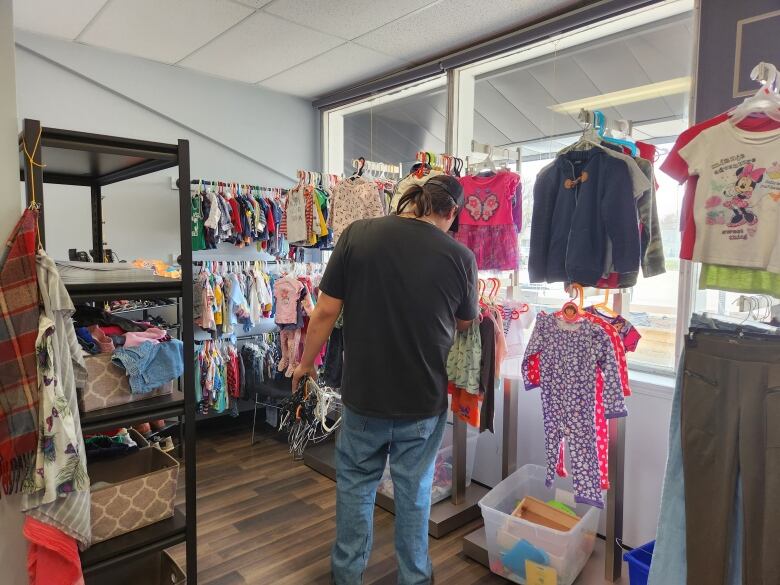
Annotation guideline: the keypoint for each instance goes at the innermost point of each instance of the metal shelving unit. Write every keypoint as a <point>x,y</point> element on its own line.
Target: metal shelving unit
<point>94,161</point>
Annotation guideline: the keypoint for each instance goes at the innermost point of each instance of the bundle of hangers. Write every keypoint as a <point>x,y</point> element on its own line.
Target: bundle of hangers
<point>599,176</point>
<point>237,213</point>
<point>305,415</point>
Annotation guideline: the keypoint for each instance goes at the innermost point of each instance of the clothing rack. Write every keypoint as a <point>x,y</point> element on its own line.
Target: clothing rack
<point>504,153</point>
<point>589,117</point>
<point>214,183</point>
<point>361,165</point>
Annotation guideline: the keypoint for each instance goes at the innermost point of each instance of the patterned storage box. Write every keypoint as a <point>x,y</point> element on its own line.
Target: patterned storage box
<point>152,569</point>
<point>141,491</point>
<point>107,385</point>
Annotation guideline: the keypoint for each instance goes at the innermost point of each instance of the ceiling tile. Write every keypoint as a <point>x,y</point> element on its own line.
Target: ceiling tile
<point>340,67</point>
<point>261,46</point>
<point>163,31</point>
<point>58,18</point>
<point>256,4</point>
<point>344,18</point>
<point>451,24</point>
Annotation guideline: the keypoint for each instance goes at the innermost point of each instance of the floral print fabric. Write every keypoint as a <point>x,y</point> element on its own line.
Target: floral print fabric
<point>463,372</point>
<point>351,201</point>
<point>59,469</point>
<point>569,355</point>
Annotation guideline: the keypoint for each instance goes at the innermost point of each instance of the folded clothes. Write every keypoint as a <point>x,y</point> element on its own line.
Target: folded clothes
<point>87,315</point>
<point>150,365</point>
<point>103,447</point>
<point>86,341</point>
<point>101,339</point>
<point>152,334</point>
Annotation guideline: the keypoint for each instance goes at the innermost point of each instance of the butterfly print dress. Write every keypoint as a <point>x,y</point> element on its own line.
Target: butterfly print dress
<point>487,223</point>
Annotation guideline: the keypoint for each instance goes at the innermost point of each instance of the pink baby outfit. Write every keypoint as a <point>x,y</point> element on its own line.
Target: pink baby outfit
<point>287,292</point>
<point>152,334</point>
<point>490,220</point>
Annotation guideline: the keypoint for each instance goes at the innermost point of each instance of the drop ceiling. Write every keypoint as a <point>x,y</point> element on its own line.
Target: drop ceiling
<point>301,47</point>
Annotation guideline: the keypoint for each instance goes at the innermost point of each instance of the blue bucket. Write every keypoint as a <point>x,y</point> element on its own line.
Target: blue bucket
<point>639,563</point>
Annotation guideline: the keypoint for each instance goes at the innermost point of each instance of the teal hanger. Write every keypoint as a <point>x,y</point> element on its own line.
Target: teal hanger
<point>600,122</point>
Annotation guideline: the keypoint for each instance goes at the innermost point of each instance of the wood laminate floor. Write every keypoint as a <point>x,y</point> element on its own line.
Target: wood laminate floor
<point>266,519</point>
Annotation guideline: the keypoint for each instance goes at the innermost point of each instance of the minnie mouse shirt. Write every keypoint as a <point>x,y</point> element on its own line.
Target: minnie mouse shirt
<point>737,204</point>
<point>490,220</point>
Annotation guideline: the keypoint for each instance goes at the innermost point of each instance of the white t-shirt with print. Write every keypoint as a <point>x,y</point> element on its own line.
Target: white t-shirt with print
<point>737,202</point>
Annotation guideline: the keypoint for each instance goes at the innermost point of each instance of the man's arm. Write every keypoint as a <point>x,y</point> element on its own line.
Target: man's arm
<point>321,324</point>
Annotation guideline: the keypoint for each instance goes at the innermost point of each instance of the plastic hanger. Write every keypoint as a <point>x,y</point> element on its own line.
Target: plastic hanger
<point>601,125</point>
<point>571,311</point>
<point>604,306</point>
<point>766,101</point>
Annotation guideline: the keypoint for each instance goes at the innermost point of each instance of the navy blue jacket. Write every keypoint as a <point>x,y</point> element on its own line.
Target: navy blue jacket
<point>582,199</point>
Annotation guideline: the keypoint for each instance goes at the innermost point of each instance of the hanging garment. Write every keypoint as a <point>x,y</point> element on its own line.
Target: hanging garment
<point>352,200</point>
<point>408,181</point>
<point>669,556</point>
<point>735,209</point>
<point>581,201</point>
<point>18,331</point>
<point>730,419</point>
<point>568,356</point>
<point>52,557</point>
<point>69,511</point>
<point>486,224</point>
<point>294,224</point>
<point>464,373</point>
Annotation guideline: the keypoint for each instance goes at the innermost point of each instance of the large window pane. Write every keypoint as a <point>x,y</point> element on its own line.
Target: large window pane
<point>640,75</point>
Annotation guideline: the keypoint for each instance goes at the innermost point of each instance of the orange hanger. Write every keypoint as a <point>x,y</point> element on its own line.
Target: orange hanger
<point>604,306</point>
<point>571,310</point>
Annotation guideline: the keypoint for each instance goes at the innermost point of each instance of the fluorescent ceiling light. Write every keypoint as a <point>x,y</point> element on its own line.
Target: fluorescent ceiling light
<point>626,96</point>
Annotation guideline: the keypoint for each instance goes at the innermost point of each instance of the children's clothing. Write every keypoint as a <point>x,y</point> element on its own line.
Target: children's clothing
<point>486,224</point>
<point>581,201</point>
<point>351,200</point>
<point>287,292</point>
<point>736,203</point>
<point>569,354</point>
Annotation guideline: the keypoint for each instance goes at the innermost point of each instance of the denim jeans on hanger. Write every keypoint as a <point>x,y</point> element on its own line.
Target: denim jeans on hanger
<point>362,448</point>
<point>669,565</point>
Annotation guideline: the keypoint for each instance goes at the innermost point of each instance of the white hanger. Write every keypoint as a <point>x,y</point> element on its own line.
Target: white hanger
<point>765,101</point>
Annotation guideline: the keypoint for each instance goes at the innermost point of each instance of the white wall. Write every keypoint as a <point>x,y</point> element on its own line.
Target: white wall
<point>647,429</point>
<point>236,132</point>
<point>13,548</point>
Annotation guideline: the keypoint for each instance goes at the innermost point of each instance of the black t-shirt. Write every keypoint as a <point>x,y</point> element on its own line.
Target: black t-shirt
<point>403,282</point>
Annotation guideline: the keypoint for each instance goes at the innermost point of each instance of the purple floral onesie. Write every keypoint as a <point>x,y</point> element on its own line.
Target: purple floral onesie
<point>569,354</point>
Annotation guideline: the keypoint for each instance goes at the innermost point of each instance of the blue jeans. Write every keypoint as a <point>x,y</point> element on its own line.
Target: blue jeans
<point>361,454</point>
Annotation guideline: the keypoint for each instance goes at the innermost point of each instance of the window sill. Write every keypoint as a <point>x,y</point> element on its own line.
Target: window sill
<point>657,385</point>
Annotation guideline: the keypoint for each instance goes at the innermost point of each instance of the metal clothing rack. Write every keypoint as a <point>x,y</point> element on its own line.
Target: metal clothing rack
<point>218,183</point>
<point>502,153</point>
<point>67,157</point>
<point>361,165</point>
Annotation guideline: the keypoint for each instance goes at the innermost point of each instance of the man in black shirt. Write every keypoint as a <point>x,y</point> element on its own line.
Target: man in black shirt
<point>404,285</point>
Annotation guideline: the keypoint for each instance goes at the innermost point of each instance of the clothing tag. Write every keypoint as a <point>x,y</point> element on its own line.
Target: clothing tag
<point>536,574</point>
<point>565,497</point>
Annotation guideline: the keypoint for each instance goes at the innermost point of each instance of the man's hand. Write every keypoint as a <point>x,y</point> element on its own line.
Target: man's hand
<point>300,371</point>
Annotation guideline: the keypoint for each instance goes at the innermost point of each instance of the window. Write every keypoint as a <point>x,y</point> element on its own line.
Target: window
<point>388,129</point>
<point>635,69</point>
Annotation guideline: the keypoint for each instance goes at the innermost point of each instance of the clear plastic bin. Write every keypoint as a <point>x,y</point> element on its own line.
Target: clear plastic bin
<point>566,552</point>
<point>442,475</point>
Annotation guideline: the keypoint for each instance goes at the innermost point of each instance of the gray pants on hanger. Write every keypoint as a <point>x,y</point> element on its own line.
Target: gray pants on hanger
<point>731,423</point>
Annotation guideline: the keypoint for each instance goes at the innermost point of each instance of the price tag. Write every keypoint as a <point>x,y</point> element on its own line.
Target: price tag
<point>536,574</point>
